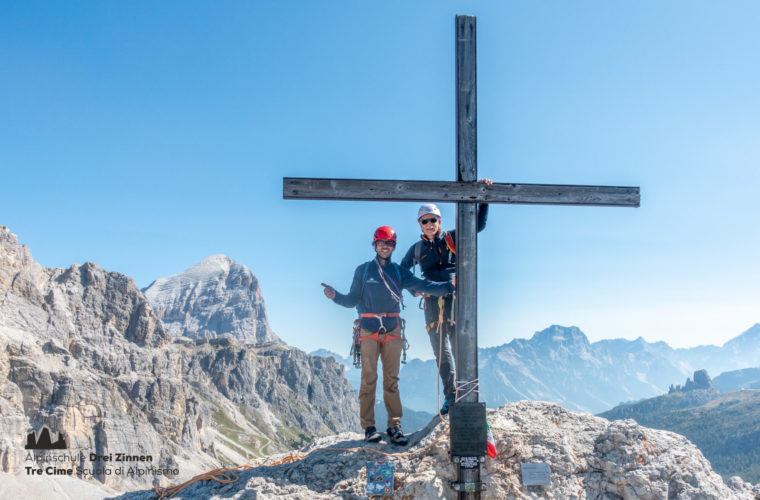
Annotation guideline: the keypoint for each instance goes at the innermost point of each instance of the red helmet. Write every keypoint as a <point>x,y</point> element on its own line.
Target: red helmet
<point>384,233</point>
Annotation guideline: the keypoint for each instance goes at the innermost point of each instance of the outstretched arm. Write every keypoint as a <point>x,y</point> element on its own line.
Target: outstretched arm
<point>414,284</point>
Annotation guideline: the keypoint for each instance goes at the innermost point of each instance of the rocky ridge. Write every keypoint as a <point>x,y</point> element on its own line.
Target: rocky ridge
<point>589,457</point>
<point>215,298</point>
<point>85,355</point>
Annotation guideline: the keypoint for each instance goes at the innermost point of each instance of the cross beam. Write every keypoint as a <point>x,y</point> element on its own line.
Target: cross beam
<point>306,188</point>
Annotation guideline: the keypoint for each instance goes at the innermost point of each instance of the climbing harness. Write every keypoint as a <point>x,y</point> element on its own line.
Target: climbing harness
<point>379,317</point>
<point>438,325</point>
<point>451,246</point>
<point>382,330</point>
<point>396,294</point>
<point>356,346</point>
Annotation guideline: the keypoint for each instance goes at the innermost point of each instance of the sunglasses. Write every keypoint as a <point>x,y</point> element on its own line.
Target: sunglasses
<point>387,243</point>
<point>429,221</point>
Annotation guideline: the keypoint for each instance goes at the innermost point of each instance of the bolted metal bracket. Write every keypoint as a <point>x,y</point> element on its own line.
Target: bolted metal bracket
<point>468,487</point>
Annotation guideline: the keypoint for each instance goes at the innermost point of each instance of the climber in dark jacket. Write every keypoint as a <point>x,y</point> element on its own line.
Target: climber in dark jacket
<point>376,292</point>
<point>436,255</point>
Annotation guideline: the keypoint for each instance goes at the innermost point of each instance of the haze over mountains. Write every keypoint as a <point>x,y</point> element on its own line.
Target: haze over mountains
<point>559,364</point>
<point>189,372</point>
<point>221,298</point>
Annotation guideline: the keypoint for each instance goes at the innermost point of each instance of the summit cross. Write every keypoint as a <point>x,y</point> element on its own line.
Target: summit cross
<point>466,193</point>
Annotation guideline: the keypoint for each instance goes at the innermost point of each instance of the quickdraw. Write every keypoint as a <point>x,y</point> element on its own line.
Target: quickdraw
<point>356,352</point>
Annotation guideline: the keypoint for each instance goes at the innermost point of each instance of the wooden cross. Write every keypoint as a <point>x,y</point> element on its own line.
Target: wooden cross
<point>466,193</point>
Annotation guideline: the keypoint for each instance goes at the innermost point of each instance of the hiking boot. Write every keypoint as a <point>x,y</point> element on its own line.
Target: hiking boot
<point>371,435</point>
<point>396,436</point>
<point>446,405</point>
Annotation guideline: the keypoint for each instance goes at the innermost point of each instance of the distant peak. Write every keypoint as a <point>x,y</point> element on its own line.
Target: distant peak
<point>214,264</point>
<point>558,333</point>
<point>218,257</point>
<point>212,268</point>
<point>749,337</point>
<point>216,260</point>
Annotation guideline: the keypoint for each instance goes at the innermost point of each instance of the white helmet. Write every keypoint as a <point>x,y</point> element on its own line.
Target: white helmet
<point>426,209</point>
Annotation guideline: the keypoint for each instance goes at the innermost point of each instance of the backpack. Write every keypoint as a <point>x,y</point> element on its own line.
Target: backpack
<point>449,244</point>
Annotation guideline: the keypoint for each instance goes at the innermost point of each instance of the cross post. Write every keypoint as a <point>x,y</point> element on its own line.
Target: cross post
<point>467,416</point>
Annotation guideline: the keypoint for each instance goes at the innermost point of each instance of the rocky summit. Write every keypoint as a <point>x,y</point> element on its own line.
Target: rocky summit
<point>87,366</point>
<point>588,457</point>
<point>215,298</point>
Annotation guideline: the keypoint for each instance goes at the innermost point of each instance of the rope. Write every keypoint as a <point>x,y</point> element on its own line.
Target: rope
<point>439,328</point>
<point>469,386</point>
<point>395,295</point>
<point>226,475</point>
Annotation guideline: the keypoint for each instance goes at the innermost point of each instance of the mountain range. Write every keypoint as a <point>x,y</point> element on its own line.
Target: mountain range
<point>747,378</point>
<point>188,371</point>
<point>85,356</point>
<point>559,364</point>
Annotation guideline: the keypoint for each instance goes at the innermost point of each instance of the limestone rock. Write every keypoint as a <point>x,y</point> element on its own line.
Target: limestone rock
<point>216,297</point>
<point>589,457</point>
<point>701,382</point>
<point>84,354</point>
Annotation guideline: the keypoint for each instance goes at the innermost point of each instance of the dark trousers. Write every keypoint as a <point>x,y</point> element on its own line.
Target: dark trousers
<point>442,343</point>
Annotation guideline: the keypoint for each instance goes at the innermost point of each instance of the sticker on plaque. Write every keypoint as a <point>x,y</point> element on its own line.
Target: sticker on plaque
<point>380,478</point>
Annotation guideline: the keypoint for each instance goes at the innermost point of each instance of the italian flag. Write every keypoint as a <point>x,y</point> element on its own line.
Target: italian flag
<point>491,444</point>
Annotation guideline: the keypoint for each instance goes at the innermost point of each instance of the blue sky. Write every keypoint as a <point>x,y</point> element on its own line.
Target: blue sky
<point>145,136</point>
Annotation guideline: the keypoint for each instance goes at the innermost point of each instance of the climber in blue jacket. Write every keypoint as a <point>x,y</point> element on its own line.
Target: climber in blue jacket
<point>376,293</point>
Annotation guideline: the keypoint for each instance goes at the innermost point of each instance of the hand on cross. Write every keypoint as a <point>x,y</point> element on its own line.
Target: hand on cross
<point>486,181</point>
